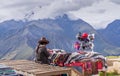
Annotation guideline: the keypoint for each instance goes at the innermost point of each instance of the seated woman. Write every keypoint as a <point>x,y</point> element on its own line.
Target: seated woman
<point>41,51</point>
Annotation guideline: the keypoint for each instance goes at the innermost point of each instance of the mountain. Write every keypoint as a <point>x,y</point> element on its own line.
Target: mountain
<point>18,39</point>
<point>112,33</point>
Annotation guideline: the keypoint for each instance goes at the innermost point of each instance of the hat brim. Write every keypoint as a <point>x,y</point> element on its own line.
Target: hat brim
<point>44,42</point>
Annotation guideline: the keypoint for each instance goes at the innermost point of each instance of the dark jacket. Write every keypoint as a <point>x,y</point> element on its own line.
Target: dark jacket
<point>42,55</point>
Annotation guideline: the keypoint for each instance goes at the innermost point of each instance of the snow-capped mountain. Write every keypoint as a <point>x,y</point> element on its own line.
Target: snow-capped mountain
<point>18,39</point>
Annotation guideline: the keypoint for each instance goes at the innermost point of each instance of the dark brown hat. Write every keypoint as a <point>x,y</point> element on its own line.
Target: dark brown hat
<point>43,40</point>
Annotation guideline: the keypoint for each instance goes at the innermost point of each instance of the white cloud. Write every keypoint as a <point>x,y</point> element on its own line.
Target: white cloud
<point>96,12</point>
<point>16,9</point>
<point>115,1</point>
<point>99,15</point>
<point>60,7</point>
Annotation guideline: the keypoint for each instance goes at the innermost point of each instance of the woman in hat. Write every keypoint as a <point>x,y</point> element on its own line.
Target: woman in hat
<point>41,51</point>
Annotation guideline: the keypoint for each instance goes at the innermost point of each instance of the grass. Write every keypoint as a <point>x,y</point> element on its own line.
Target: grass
<point>115,73</point>
<point>109,74</point>
<point>112,57</point>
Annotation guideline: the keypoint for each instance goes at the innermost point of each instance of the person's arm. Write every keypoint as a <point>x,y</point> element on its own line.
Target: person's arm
<point>37,48</point>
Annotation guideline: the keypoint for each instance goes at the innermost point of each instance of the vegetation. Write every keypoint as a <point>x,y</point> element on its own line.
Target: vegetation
<point>115,73</point>
<point>112,74</point>
<point>101,74</point>
<point>112,57</point>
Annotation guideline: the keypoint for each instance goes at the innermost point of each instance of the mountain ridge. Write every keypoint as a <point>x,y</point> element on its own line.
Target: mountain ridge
<point>21,40</point>
<point>111,33</point>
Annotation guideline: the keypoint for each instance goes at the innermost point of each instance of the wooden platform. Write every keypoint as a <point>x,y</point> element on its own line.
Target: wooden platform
<point>30,68</point>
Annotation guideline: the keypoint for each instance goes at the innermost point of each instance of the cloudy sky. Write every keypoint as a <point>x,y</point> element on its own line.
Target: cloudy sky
<point>98,13</point>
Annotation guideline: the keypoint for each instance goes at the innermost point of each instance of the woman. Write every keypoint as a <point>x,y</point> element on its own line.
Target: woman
<point>41,51</point>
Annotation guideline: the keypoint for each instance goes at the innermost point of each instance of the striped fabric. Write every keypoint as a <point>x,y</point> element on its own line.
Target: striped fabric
<point>79,59</point>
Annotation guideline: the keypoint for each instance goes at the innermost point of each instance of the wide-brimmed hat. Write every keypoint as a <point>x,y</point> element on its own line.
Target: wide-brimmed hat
<point>43,40</point>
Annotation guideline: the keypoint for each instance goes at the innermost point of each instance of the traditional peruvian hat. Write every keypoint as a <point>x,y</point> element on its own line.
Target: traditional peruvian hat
<point>43,40</point>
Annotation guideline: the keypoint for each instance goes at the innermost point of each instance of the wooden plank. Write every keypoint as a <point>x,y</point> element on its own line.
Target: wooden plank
<point>30,68</point>
<point>53,73</point>
<point>17,62</point>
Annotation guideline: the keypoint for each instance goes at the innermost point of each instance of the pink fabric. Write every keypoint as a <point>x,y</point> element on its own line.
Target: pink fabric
<point>99,65</point>
<point>77,46</point>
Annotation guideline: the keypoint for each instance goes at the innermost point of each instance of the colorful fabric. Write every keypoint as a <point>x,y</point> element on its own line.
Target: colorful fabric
<point>84,60</point>
<point>77,45</point>
<point>86,42</point>
<point>99,65</point>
